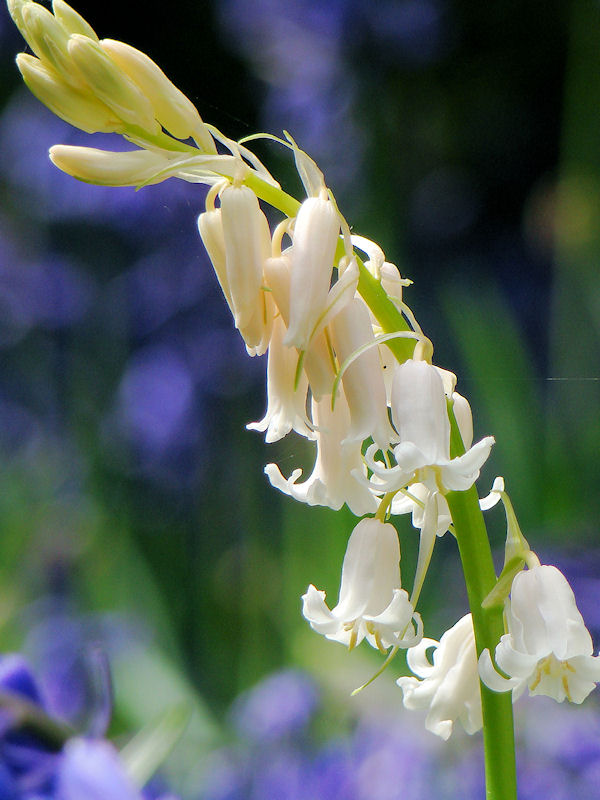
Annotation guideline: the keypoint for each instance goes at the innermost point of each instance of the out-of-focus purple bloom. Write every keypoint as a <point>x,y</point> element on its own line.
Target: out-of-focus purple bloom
<point>297,49</point>
<point>393,761</point>
<point>50,294</point>
<point>155,398</point>
<point>91,769</point>
<point>410,31</point>
<point>281,705</point>
<point>36,767</point>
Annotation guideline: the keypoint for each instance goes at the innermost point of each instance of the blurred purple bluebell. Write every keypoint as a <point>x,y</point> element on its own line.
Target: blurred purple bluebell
<point>297,50</point>
<point>392,758</point>
<point>41,758</point>
<point>281,705</point>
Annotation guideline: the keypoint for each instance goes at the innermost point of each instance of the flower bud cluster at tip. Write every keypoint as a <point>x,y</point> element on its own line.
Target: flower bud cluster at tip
<point>106,86</point>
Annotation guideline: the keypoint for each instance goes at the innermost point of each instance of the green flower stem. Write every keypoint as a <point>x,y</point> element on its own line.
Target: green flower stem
<point>480,578</point>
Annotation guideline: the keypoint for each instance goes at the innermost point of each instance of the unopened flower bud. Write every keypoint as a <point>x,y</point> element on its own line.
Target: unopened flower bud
<point>49,41</point>
<point>77,108</point>
<point>107,168</point>
<point>71,21</point>
<point>171,107</point>
<point>111,85</point>
<point>15,9</point>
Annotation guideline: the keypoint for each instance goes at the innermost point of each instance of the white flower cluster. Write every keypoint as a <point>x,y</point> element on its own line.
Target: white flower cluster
<point>382,425</point>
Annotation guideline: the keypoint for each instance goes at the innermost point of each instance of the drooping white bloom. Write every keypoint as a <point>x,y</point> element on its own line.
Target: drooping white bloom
<point>336,477</point>
<point>315,237</point>
<point>225,258</point>
<point>371,603</point>
<point>286,405</point>
<point>318,363</point>
<point>420,416</point>
<point>247,246</point>
<point>547,648</point>
<point>449,688</point>
<point>363,379</point>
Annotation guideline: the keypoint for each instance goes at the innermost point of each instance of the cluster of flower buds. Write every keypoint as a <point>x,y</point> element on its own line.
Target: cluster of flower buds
<point>106,86</point>
<point>328,309</point>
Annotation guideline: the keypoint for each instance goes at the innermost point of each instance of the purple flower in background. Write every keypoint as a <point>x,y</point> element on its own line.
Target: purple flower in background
<point>281,705</point>
<point>91,769</point>
<point>42,759</point>
<point>297,49</point>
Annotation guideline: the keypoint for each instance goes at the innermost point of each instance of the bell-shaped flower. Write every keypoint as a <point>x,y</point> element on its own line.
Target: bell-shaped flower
<point>318,363</point>
<point>420,416</point>
<point>315,237</point>
<point>547,648</point>
<point>338,476</point>
<point>247,246</point>
<point>371,603</point>
<point>363,382</point>
<point>237,239</point>
<point>449,688</point>
<point>286,404</point>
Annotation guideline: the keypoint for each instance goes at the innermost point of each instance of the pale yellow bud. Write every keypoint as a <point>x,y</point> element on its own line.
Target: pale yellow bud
<point>111,85</point>
<point>71,21</point>
<point>49,41</point>
<point>107,168</point>
<point>171,107</point>
<point>81,110</point>
<point>15,8</point>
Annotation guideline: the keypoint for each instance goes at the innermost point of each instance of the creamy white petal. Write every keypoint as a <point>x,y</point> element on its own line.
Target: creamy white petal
<point>462,472</point>
<point>363,379</point>
<point>450,686</point>
<point>315,237</point>
<point>247,246</point>
<point>286,405</point>
<point>371,603</point>
<point>548,649</point>
<point>419,409</point>
<point>335,479</point>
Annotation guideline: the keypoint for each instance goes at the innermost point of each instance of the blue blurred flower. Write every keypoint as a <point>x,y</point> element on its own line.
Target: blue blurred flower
<point>281,705</point>
<point>41,758</point>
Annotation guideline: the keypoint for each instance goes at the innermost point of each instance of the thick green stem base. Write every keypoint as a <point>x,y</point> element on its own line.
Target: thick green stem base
<point>478,568</point>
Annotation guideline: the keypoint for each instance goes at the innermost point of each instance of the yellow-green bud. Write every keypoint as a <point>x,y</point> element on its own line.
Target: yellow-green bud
<point>81,110</point>
<point>172,108</point>
<point>107,168</point>
<point>49,41</point>
<point>15,9</point>
<point>111,85</point>
<point>71,21</point>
